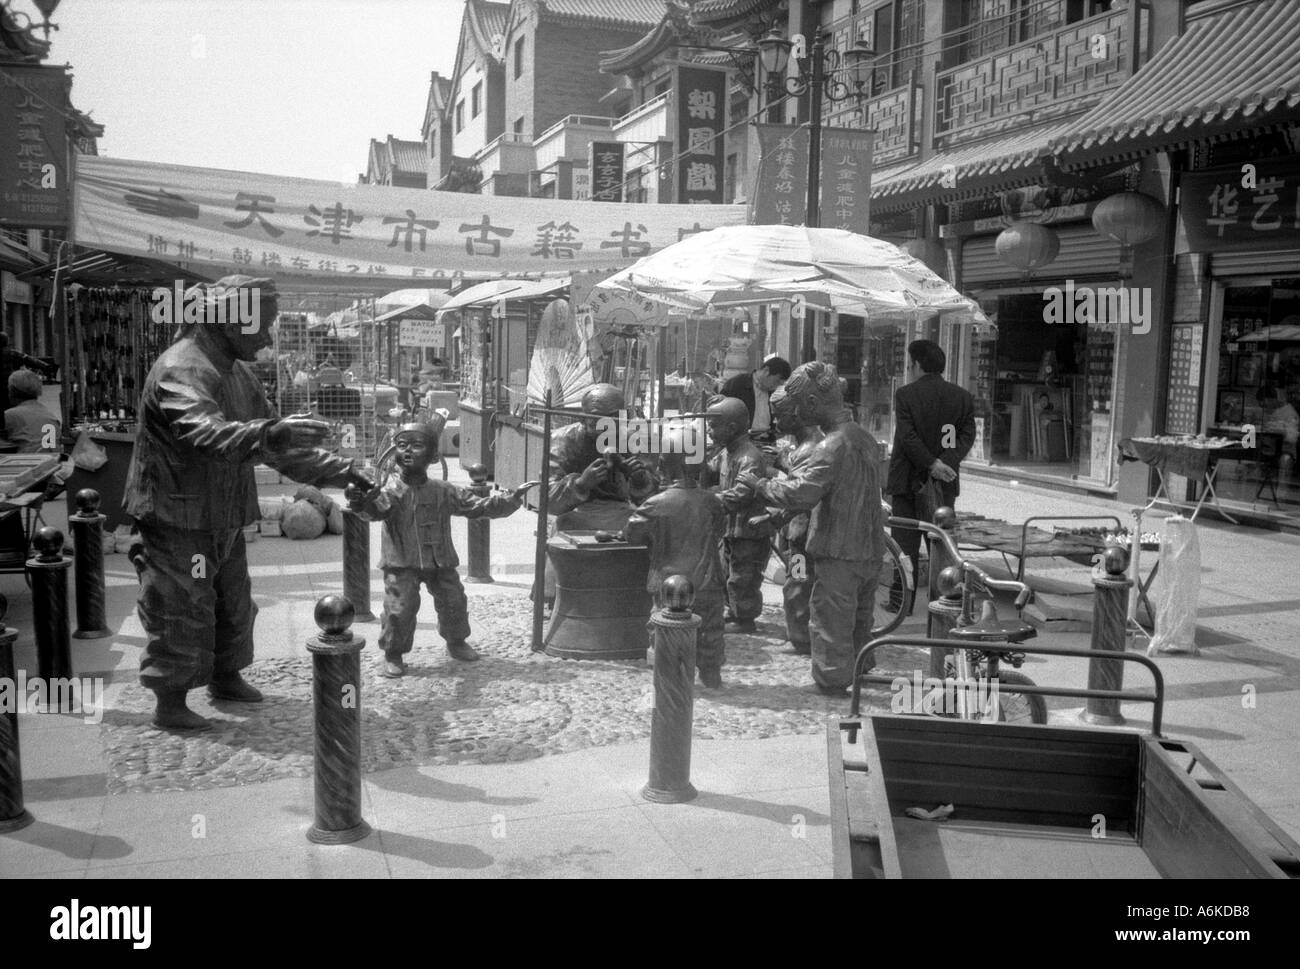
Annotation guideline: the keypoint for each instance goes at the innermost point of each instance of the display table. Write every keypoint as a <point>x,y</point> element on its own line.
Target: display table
<point>601,602</point>
<point>1192,457</point>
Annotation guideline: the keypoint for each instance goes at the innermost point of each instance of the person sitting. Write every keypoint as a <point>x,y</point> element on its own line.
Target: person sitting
<point>28,423</point>
<point>1280,417</point>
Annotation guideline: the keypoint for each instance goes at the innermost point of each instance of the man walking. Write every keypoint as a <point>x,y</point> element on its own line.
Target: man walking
<point>840,482</point>
<point>935,429</point>
<point>755,389</point>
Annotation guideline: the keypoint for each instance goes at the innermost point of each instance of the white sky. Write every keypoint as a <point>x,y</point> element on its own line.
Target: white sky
<point>286,87</point>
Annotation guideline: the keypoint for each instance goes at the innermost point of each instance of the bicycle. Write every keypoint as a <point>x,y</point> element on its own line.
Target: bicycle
<point>894,589</point>
<point>966,664</point>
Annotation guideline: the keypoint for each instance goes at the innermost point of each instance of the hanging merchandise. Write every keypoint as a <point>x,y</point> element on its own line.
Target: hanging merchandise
<point>113,343</point>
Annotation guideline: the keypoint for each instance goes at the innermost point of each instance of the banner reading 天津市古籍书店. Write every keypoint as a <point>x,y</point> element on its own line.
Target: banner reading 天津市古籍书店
<point>214,222</point>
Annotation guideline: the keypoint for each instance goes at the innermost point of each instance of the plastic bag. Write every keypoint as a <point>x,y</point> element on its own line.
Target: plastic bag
<point>302,520</point>
<point>1177,588</point>
<point>315,497</point>
<point>334,520</point>
<point>87,455</point>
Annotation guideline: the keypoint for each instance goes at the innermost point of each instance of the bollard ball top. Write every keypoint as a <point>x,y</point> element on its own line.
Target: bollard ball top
<point>49,543</point>
<point>87,502</point>
<point>678,593</point>
<point>334,615</point>
<point>477,473</point>
<point>945,517</point>
<point>1115,560</point>
<point>949,582</point>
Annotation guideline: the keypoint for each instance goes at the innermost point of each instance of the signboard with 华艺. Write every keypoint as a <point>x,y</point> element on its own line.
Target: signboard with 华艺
<point>34,164</point>
<point>1252,206</point>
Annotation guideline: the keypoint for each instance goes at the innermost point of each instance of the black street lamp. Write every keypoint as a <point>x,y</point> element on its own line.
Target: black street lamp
<point>827,73</point>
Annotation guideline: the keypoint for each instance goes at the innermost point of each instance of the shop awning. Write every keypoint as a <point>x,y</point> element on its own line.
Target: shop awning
<point>1228,73</point>
<point>420,311</point>
<point>971,170</point>
<point>508,289</point>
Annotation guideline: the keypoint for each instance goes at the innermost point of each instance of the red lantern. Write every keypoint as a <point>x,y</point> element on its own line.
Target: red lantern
<point>1130,218</point>
<point>1027,246</point>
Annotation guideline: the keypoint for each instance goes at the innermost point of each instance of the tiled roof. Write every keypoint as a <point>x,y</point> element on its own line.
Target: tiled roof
<point>713,11</point>
<point>408,156</point>
<point>620,13</point>
<point>486,21</point>
<point>1237,69</point>
<point>976,168</point>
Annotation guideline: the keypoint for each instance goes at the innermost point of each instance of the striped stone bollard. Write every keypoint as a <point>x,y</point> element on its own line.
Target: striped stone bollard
<point>356,564</point>
<point>13,815</point>
<point>49,574</point>
<point>675,629</point>
<point>479,531</point>
<point>336,702</point>
<point>1109,632</point>
<point>88,566</point>
<point>944,614</point>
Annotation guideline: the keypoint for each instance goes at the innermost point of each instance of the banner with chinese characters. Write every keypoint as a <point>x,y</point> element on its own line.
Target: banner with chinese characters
<point>1254,206</point>
<point>34,165</point>
<point>846,180</point>
<point>215,222</point>
<point>700,112</point>
<point>781,195</point>
<point>607,171</point>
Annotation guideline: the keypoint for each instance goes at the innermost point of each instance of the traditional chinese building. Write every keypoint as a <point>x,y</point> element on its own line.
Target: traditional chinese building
<point>398,163</point>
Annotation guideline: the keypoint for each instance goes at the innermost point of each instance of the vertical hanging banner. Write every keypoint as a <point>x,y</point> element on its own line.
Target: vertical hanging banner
<point>700,113</point>
<point>846,180</point>
<point>607,171</point>
<point>781,196</point>
<point>34,165</point>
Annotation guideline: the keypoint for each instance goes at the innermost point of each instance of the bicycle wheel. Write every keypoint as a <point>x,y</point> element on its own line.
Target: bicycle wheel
<point>894,592</point>
<point>1016,707</point>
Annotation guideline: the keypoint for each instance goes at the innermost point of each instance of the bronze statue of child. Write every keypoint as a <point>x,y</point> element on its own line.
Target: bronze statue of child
<point>416,511</point>
<point>683,527</point>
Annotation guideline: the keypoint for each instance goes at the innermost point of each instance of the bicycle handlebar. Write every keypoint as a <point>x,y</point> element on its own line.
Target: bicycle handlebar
<point>1022,591</point>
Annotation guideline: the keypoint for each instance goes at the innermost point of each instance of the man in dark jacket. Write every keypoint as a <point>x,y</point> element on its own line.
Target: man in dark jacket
<point>204,423</point>
<point>755,389</point>
<point>935,428</point>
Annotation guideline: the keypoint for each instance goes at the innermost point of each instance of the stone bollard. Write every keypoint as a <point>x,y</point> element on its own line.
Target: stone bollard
<point>479,530</point>
<point>356,564</point>
<point>675,631</point>
<point>13,815</point>
<point>88,565</point>
<point>49,576</point>
<point>944,614</point>
<point>1109,632</point>
<point>336,701</point>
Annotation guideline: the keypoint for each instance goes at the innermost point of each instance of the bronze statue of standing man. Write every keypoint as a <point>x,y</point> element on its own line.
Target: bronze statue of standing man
<point>839,481</point>
<point>204,423</point>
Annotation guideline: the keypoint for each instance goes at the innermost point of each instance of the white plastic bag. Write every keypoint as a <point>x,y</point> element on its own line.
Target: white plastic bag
<point>1177,588</point>
<point>87,455</point>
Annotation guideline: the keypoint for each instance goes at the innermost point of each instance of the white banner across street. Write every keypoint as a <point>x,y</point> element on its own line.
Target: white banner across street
<point>213,223</point>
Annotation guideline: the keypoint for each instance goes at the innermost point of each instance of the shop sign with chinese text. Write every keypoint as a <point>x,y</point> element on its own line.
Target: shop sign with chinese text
<point>421,333</point>
<point>1252,206</point>
<point>846,180</point>
<point>34,164</point>
<point>781,197</point>
<point>700,95</point>
<point>607,171</point>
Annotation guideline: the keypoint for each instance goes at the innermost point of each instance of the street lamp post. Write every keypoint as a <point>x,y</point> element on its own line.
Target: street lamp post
<point>830,75</point>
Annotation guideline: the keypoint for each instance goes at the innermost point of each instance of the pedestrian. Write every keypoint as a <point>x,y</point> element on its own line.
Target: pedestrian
<point>417,549</point>
<point>683,526</point>
<point>204,422</point>
<point>746,546</point>
<point>11,360</point>
<point>755,389</point>
<point>935,429</point>
<point>839,482</point>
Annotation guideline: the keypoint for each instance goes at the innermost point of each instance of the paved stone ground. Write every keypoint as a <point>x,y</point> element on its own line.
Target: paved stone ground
<point>512,705</point>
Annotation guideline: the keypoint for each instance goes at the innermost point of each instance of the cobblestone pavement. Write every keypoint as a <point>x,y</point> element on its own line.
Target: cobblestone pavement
<point>512,705</point>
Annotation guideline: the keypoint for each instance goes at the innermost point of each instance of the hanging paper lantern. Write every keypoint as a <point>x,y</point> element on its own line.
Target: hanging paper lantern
<point>931,252</point>
<point>1130,218</point>
<point>1027,246</point>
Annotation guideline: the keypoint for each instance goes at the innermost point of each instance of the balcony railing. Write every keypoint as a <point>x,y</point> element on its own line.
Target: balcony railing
<point>1054,74</point>
<point>507,152</point>
<point>570,138</point>
<point>896,117</point>
<point>647,122</point>
<point>573,121</point>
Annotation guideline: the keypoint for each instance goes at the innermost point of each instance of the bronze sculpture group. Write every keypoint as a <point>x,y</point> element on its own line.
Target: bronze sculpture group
<point>205,422</point>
